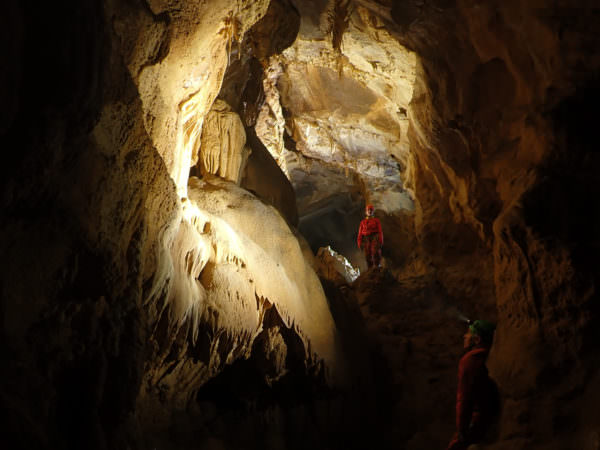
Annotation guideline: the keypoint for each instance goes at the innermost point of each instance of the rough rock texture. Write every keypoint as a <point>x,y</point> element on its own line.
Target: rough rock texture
<point>91,224</point>
<point>182,78</point>
<point>104,295</point>
<point>246,87</point>
<point>416,340</point>
<point>336,123</point>
<point>334,267</point>
<point>84,201</point>
<point>488,143</point>
<point>225,255</point>
<point>349,110</point>
<point>223,150</point>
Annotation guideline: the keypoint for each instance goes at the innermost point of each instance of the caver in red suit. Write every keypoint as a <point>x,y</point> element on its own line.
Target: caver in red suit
<point>476,395</point>
<point>370,237</point>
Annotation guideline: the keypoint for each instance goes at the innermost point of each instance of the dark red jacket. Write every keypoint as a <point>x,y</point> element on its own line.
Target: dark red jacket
<point>369,225</point>
<point>474,396</point>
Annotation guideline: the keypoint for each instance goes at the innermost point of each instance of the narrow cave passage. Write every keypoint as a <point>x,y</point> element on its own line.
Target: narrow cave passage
<point>317,137</point>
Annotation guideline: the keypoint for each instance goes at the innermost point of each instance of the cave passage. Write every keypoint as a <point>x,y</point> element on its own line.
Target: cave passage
<point>176,201</point>
<point>335,122</point>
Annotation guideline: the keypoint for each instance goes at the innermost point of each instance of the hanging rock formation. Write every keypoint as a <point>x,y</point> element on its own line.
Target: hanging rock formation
<point>223,150</point>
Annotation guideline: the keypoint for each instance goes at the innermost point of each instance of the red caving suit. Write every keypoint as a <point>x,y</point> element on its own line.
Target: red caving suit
<point>475,400</point>
<point>370,237</point>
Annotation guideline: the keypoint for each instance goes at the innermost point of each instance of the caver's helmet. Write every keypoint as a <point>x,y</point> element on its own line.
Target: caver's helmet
<point>484,329</point>
<point>369,210</point>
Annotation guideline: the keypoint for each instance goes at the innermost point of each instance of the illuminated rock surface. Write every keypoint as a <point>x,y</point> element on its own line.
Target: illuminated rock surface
<point>223,150</point>
<point>128,322</point>
<point>335,267</point>
<point>225,255</point>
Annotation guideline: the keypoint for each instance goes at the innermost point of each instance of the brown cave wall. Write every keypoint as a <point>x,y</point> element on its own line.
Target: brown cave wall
<point>88,201</point>
<point>502,159</point>
<point>83,203</point>
<point>92,214</point>
<point>195,340</point>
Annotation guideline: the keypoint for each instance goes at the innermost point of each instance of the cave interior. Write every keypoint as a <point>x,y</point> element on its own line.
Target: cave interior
<point>181,190</point>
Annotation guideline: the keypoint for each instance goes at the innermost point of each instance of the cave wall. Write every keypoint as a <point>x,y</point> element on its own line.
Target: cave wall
<point>501,161</point>
<point>84,200</point>
<point>105,105</point>
<point>102,101</point>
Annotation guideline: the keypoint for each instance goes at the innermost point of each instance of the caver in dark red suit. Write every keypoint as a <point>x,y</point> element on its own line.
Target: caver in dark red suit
<point>476,396</point>
<point>370,237</point>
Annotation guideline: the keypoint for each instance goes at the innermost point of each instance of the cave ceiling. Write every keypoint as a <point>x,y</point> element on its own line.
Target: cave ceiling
<point>340,115</point>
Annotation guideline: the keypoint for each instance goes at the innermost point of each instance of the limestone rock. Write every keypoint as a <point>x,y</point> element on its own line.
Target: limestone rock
<point>222,150</point>
<point>270,124</point>
<point>350,111</point>
<point>231,250</point>
<point>479,164</point>
<point>118,304</point>
<point>264,177</point>
<point>178,87</point>
<point>332,266</point>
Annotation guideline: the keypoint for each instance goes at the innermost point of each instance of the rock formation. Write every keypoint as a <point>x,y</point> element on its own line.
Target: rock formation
<point>225,254</point>
<point>223,150</point>
<point>159,156</point>
<point>333,266</point>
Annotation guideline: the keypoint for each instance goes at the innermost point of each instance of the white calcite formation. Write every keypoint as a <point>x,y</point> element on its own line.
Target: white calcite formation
<point>177,91</point>
<point>223,150</point>
<point>233,258</point>
<point>254,255</point>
